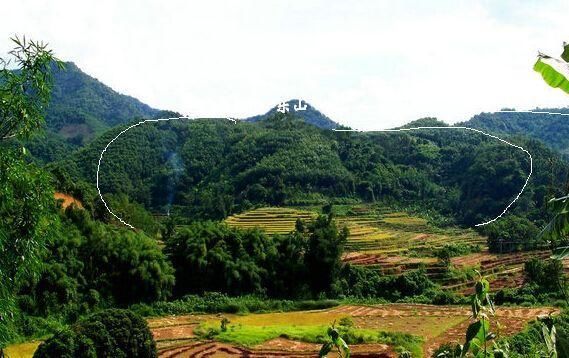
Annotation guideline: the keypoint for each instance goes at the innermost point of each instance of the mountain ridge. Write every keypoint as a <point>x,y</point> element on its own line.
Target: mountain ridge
<point>551,129</point>
<point>82,106</point>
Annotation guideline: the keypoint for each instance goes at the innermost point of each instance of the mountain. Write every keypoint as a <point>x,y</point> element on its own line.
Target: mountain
<point>309,114</point>
<point>212,168</point>
<point>81,106</point>
<point>551,129</point>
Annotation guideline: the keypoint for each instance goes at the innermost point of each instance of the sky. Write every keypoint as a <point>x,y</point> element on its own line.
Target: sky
<point>366,64</point>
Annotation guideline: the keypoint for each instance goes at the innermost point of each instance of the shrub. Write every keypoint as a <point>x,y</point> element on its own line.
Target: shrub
<point>547,274</point>
<point>512,233</point>
<point>109,333</point>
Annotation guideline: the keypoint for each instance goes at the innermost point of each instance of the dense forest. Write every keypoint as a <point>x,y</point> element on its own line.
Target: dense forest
<point>549,128</point>
<point>209,169</point>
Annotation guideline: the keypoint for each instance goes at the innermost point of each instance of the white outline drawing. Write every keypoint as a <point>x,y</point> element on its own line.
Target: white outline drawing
<point>115,138</point>
<point>353,130</point>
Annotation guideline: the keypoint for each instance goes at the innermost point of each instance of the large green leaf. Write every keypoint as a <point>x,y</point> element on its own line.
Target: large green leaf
<point>553,71</point>
<point>558,228</point>
<point>476,335</point>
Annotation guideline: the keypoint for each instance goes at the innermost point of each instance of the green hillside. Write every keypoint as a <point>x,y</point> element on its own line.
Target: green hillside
<point>213,168</point>
<point>81,107</point>
<point>553,130</point>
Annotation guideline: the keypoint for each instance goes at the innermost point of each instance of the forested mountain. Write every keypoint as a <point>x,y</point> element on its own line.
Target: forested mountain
<point>211,168</point>
<point>309,114</point>
<point>553,130</point>
<point>82,106</point>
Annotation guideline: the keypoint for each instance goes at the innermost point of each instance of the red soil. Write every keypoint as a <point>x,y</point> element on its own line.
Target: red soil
<point>175,334</point>
<point>67,200</point>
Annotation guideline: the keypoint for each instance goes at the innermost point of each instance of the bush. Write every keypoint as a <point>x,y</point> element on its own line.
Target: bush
<point>109,333</point>
<point>512,233</point>
<point>213,302</point>
<point>547,274</point>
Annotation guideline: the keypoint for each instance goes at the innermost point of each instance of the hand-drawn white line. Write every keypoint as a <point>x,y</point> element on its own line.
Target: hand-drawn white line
<point>469,129</point>
<point>337,130</point>
<point>533,112</point>
<point>115,138</point>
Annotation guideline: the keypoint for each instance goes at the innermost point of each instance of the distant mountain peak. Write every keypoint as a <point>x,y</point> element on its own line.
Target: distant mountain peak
<point>301,109</point>
<point>425,122</point>
<point>82,106</point>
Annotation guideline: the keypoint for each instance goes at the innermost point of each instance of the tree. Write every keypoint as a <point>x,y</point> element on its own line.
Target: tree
<point>323,256</point>
<point>25,92</point>
<point>210,256</point>
<point>26,203</point>
<point>512,233</point>
<point>109,333</point>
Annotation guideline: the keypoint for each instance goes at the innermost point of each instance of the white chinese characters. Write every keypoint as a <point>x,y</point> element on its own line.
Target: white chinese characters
<point>284,107</point>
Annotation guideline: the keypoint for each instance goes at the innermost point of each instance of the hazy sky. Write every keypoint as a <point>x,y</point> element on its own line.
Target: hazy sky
<point>368,64</point>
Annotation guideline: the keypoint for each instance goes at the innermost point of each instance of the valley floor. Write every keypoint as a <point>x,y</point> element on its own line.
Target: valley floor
<point>176,336</point>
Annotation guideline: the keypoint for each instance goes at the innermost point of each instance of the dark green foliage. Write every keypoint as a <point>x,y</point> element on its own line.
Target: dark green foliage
<point>530,342</point>
<point>26,196</point>
<point>210,256</point>
<point>109,333</point>
<point>24,92</point>
<point>82,106</point>
<point>448,251</point>
<point>133,213</point>
<point>360,281</point>
<point>546,274</point>
<point>89,265</point>
<point>26,210</point>
<point>551,129</point>
<point>213,257</point>
<point>324,252</point>
<point>208,169</point>
<point>211,302</point>
<point>512,233</point>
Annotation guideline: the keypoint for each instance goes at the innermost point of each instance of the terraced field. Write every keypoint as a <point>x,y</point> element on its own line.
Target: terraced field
<point>396,242</point>
<point>435,324</point>
<point>394,234</point>
<point>271,220</point>
<point>502,270</point>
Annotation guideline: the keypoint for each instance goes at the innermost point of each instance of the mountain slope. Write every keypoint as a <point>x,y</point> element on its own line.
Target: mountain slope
<point>82,106</point>
<point>553,130</point>
<point>212,168</point>
<point>309,115</point>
